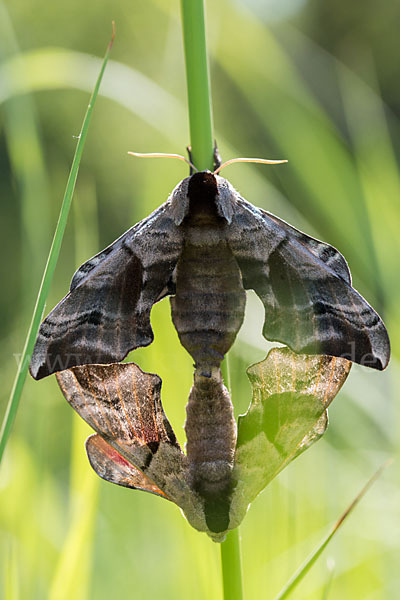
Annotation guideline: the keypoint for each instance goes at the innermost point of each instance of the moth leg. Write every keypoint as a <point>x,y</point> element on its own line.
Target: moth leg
<point>217,157</point>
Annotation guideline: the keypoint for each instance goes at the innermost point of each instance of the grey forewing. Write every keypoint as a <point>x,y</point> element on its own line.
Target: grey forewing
<point>305,288</point>
<point>107,312</point>
<point>83,271</point>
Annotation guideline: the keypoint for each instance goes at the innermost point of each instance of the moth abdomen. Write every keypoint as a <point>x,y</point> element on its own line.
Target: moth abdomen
<point>211,435</point>
<point>211,441</point>
<point>208,307</point>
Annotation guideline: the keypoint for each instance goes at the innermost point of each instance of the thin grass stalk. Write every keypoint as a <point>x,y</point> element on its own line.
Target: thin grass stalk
<point>198,84</point>
<point>202,149</point>
<point>15,396</point>
<point>231,563</point>
<point>316,553</point>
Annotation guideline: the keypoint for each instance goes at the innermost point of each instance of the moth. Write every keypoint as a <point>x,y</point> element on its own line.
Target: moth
<point>204,247</point>
<point>222,471</point>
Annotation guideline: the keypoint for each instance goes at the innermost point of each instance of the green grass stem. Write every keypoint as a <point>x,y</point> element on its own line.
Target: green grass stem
<point>231,564</point>
<point>198,84</point>
<point>15,396</point>
<point>316,553</point>
<point>202,148</point>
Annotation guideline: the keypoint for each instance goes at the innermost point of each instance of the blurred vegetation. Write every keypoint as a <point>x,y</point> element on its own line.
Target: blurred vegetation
<point>314,82</point>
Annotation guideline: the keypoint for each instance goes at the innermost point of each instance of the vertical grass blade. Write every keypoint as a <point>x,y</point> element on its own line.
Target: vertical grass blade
<point>198,84</point>
<point>306,566</point>
<point>202,147</point>
<point>231,563</point>
<point>20,378</point>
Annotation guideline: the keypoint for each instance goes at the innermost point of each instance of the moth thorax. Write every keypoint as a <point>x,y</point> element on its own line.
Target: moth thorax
<point>211,436</point>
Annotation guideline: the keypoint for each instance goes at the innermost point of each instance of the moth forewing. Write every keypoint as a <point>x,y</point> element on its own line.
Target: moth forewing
<point>305,286</point>
<point>122,403</point>
<point>107,312</point>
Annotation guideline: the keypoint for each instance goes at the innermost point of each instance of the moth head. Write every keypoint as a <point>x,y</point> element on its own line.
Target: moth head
<point>203,187</point>
<point>210,196</point>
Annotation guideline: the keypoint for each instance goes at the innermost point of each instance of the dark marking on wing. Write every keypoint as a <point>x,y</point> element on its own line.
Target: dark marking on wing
<point>324,252</point>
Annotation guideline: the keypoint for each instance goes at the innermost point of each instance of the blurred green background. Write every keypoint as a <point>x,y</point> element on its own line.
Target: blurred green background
<point>313,81</point>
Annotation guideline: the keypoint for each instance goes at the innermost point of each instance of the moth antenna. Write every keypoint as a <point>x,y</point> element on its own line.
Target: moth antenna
<point>162,155</point>
<point>264,161</point>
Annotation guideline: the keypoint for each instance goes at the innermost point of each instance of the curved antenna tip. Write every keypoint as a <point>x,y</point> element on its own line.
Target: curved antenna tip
<point>264,161</point>
<point>162,155</point>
